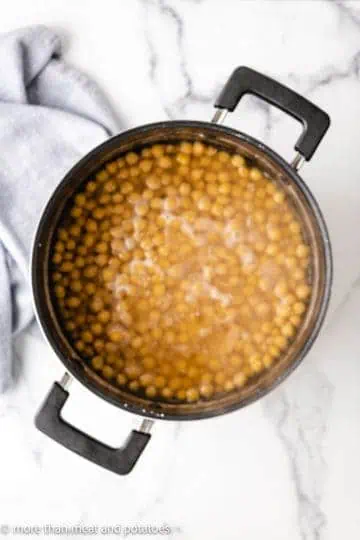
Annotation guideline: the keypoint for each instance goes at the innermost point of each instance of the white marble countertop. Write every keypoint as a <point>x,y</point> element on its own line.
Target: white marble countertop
<point>288,466</point>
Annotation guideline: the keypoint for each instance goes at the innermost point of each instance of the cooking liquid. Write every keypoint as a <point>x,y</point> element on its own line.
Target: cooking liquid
<point>181,272</point>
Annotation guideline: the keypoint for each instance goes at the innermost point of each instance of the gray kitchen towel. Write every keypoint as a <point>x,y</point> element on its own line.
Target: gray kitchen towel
<point>50,116</point>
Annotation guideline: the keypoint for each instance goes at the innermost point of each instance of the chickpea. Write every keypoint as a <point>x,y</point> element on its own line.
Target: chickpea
<point>76,286</point>
<point>57,258</point>
<point>102,259</point>
<point>126,188</point>
<point>134,386</point>
<point>90,289</point>
<point>80,199</point>
<point>104,316</point>
<point>96,329</point>
<point>62,234</point>
<point>90,271</point>
<point>295,227</point>
<point>79,345</point>
<point>164,162</point>
<point>59,291</point>
<point>142,209</point>
<point>66,266</point>
<point>299,308</point>
<point>302,251</point>
<point>198,148</point>
<point>116,336</point>
<point>206,390</point>
<point>303,291</point>
<point>97,363</point>
<point>159,289</point>
<point>150,391</point>
<point>192,394</point>
<point>239,379</point>
<point>210,177</point>
<point>224,157</point>
<point>121,379</point>
<point>108,372</point>
<point>145,165</point>
<point>186,147</point>
<point>132,370</point>
<point>167,393</point>
<point>238,161</point>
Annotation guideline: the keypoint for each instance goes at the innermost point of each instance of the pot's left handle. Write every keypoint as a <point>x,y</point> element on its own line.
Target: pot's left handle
<point>118,460</point>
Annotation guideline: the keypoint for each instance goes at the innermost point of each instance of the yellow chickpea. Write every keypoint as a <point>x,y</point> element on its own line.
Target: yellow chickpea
<point>121,379</point>
<point>303,291</point>
<point>302,251</point>
<point>299,308</point>
<point>198,148</point>
<point>238,161</point>
<point>150,391</point>
<point>134,386</point>
<point>167,393</point>
<point>57,258</point>
<point>281,341</point>
<point>145,165</point>
<point>131,158</point>
<point>116,336</point>
<point>164,162</point>
<point>192,394</point>
<point>239,379</point>
<point>59,291</point>
<point>224,188</point>
<point>294,227</point>
<point>80,199</point>
<point>206,390</point>
<point>159,289</point>
<point>204,203</point>
<point>142,209</point>
<point>108,372</point>
<point>97,363</point>
<point>157,150</point>
<point>186,147</point>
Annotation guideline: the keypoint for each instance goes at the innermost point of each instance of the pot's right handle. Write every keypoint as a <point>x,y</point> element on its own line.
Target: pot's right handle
<point>247,81</point>
<point>118,460</point>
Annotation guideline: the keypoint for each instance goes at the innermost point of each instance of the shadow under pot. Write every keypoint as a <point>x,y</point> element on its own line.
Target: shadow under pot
<point>315,124</point>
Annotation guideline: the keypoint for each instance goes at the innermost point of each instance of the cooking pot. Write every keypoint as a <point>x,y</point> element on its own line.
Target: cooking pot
<point>315,124</point>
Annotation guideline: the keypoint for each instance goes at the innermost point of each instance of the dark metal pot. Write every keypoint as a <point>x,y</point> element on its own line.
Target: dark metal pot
<point>315,123</point>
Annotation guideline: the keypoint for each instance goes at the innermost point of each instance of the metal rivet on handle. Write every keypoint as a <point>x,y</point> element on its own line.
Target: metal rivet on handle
<point>219,116</point>
<point>65,381</point>
<point>146,425</point>
<point>298,162</point>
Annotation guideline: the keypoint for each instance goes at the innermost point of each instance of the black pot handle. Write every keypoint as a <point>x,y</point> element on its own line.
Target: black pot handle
<point>118,460</point>
<point>247,81</point>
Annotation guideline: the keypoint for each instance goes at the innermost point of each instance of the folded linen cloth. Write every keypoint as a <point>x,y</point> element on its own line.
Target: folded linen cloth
<point>50,115</point>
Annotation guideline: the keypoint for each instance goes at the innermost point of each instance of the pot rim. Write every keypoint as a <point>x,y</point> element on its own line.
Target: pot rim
<point>71,366</point>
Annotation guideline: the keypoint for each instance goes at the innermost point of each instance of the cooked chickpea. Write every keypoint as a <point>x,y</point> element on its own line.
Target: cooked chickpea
<point>145,165</point>
<point>239,379</point>
<point>59,291</point>
<point>108,372</point>
<point>97,363</point>
<point>302,250</point>
<point>198,148</point>
<point>57,258</point>
<point>303,291</point>
<point>164,162</point>
<point>131,158</point>
<point>150,391</point>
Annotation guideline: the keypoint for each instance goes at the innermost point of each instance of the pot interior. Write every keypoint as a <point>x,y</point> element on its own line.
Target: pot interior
<point>227,139</point>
